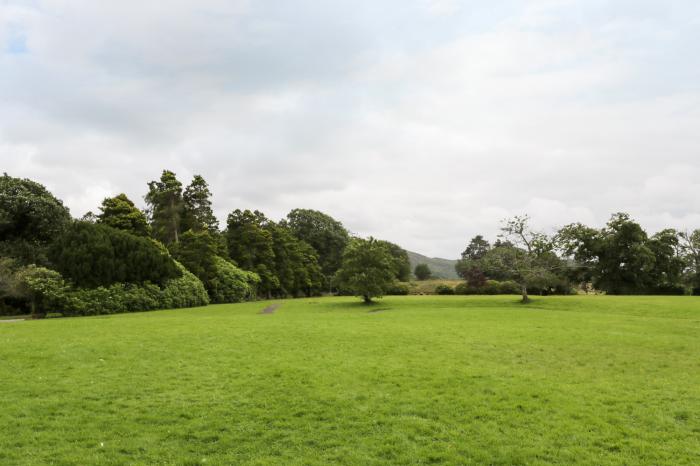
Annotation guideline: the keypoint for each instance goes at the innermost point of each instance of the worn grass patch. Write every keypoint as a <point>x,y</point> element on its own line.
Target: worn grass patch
<point>451,380</point>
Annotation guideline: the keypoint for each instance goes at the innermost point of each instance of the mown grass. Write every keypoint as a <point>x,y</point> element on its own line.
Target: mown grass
<point>411,380</point>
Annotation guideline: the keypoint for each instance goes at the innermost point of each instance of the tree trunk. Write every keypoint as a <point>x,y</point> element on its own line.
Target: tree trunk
<point>368,299</point>
<point>526,298</point>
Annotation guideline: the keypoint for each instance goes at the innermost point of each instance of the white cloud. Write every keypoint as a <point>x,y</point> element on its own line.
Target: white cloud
<point>421,130</point>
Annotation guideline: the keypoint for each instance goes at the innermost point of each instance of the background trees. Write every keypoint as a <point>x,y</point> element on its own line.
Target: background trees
<point>621,259</point>
<point>368,269</point>
<point>30,218</point>
<point>166,207</point>
<point>325,234</point>
<point>198,214</point>
<point>120,213</point>
<point>422,272</point>
<point>92,255</point>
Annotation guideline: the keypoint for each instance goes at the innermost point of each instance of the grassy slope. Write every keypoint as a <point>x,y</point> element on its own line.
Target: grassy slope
<point>589,380</point>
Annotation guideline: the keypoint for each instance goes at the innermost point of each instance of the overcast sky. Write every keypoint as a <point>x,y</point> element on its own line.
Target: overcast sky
<point>423,122</point>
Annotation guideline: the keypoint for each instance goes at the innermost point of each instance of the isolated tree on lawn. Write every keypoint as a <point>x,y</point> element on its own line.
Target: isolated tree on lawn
<point>165,207</point>
<point>120,212</point>
<point>197,207</point>
<point>325,234</point>
<point>367,269</point>
<point>422,272</point>
<point>529,261</point>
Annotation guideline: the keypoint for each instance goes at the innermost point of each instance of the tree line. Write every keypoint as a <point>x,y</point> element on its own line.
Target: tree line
<point>171,254</point>
<point>620,258</point>
<point>175,254</point>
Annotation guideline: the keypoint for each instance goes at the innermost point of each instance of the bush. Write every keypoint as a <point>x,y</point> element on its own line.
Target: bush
<point>444,290</point>
<point>398,289</point>
<point>510,287</point>
<point>491,287</point>
<point>670,290</point>
<point>48,292</point>
<point>465,289</point>
<point>186,291</point>
<point>44,288</point>
<point>93,255</point>
<point>231,284</point>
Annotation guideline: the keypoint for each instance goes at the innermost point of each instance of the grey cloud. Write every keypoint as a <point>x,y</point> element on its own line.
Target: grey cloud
<point>422,122</point>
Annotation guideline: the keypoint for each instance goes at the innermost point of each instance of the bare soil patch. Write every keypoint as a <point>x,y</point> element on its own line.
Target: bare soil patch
<point>270,309</point>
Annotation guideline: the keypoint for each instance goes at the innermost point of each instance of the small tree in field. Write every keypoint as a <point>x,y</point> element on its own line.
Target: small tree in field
<point>422,272</point>
<point>526,258</point>
<point>367,269</point>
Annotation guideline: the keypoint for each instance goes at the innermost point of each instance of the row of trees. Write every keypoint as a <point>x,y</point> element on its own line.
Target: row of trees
<point>175,254</point>
<point>129,256</point>
<point>620,258</point>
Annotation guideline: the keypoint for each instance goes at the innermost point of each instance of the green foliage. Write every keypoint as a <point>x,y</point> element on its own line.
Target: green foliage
<point>120,213</point>
<point>251,246</point>
<point>368,269</point>
<point>199,215</point>
<point>444,290</point>
<point>398,289</point>
<point>325,234</point>
<point>402,265</point>
<point>30,218</point>
<point>93,255</point>
<point>166,207</point>
<point>495,287</point>
<point>44,288</point>
<point>622,259</point>
<point>197,251</point>
<point>229,284</point>
<point>476,249</point>
<point>422,272</point>
<point>296,263</point>
<point>185,291</point>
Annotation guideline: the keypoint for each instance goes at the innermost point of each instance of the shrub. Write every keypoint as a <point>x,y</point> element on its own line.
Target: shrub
<point>491,287</point>
<point>510,287</point>
<point>465,289</point>
<point>444,289</point>
<point>231,284</point>
<point>44,288</point>
<point>398,289</point>
<point>93,255</point>
<point>186,291</point>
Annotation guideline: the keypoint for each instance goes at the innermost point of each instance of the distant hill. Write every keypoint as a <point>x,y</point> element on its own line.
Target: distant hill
<point>441,268</point>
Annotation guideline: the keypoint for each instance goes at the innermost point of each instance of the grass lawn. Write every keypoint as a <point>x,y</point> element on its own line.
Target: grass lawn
<point>421,379</point>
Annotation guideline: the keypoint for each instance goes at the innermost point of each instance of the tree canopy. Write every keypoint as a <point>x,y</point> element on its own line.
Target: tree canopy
<point>30,218</point>
<point>120,213</point>
<point>325,234</point>
<point>92,255</point>
<point>166,207</point>
<point>422,272</point>
<point>367,270</point>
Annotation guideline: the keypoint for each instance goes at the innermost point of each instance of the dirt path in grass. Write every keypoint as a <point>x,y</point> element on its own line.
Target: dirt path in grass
<point>270,309</point>
<point>11,320</point>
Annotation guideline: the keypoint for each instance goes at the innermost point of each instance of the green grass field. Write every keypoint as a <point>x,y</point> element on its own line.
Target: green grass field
<point>411,380</point>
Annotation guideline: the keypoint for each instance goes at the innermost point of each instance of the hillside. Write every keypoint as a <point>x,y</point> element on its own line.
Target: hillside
<point>441,268</point>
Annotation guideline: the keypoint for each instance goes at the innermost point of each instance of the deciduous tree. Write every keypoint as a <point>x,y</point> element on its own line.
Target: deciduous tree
<point>367,269</point>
